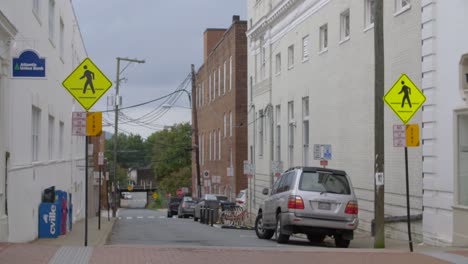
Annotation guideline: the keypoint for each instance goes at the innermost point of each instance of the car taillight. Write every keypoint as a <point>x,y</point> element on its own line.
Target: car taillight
<point>295,202</point>
<point>351,208</point>
<point>240,202</point>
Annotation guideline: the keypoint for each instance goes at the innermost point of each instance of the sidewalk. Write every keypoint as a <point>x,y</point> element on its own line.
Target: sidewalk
<point>76,236</point>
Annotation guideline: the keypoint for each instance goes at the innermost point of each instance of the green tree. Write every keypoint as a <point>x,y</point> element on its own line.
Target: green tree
<point>177,179</point>
<point>171,150</point>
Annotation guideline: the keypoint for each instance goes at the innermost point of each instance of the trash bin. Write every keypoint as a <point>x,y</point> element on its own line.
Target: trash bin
<point>50,216</point>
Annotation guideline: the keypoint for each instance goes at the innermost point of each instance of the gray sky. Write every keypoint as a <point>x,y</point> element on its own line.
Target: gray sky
<point>168,34</point>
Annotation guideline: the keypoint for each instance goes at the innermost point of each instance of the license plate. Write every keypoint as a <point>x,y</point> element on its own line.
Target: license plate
<point>324,206</point>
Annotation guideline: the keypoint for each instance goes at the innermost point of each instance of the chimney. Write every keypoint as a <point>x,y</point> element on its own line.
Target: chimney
<point>235,19</point>
<point>211,37</point>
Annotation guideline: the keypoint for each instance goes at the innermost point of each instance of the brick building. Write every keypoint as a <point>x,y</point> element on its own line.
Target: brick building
<point>220,103</point>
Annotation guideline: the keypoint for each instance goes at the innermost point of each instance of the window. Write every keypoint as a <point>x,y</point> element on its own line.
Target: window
<point>35,132</point>
<point>278,63</point>
<point>214,84</point>
<point>344,25</point>
<point>260,133</point>
<point>61,138</point>
<point>230,124</point>
<point>214,145</point>
<point>290,56</point>
<point>209,88</point>
<point>219,81</point>
<point>61,41</point>
<point>224,79</point>
<point>402,5</point>
<point>225,125</point>
<point>305,130</point>
<point>219,144</point>
<point>463,159</point>
<point>278,133</point>
<point>255,68</point>
<point>324,37</point>
<point>51,137</point>
<point>291,125</point>
<point>324,182</point>
<point>203,149</point>
<point>369,13</point>
<point>51,19</point>
<point>210,147</point>
<point>305,48</point>
<point>230,73</point>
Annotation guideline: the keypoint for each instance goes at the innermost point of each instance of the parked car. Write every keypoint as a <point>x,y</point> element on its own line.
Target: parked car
<point>212,201</point>
<point>241,199</point>
<point>186,208</point>
<point>314,201</point>
<point>173,206</point>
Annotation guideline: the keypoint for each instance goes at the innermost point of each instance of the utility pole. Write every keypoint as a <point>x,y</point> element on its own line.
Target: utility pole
<point>195,130</point>
<point>116,130</point>
<point>379,190</point>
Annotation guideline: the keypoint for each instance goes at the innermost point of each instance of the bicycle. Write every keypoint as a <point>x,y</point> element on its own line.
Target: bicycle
<point>237,216</point>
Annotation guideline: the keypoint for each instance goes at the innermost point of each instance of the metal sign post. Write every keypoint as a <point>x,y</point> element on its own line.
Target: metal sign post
<point>86,193</point>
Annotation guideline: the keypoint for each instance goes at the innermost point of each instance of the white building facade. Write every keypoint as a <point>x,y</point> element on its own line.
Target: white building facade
<point>311,70</point>
<point>37,149</point>
<point>445,121</point>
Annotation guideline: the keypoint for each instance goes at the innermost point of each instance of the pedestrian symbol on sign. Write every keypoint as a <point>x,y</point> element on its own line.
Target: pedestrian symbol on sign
<point>89,75</point>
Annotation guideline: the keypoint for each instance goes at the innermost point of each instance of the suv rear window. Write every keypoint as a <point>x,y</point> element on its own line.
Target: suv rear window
<point>324,182</point>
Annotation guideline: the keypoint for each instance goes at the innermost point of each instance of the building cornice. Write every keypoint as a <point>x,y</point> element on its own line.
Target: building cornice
<point>7,26</point>
<point>272,17</point>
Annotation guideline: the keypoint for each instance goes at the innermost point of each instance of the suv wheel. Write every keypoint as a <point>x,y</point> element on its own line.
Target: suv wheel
<point>341,243</point>
<point>261,232</point>
<point>169,214</point>
<point>313,238</point>
<point>280,237</point>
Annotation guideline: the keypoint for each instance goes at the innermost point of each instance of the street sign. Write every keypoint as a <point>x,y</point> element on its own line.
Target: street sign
<point>94,124</point>
<point>324,163</point>
<point>406,135</point>
<point>29,65</point>
<point>206,174</point>
<point>277,167</point>
<point>322,152</point>
<point>100,158</point>
<point>399,136</point>
<point>130,188</point>
<point>87,84</point>
<point>179,192</point>
<point>79,124</point>
<point>404,98</point>
<point>155,196</point>
<point>412,135</point>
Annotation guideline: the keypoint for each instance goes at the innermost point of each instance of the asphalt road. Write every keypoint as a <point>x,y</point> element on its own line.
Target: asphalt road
<point>149,227</point>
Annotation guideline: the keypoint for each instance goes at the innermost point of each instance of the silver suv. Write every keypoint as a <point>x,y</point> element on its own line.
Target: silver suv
<point>314,201</point>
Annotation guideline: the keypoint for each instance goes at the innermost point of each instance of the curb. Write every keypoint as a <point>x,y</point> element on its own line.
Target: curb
<point>237,227</point>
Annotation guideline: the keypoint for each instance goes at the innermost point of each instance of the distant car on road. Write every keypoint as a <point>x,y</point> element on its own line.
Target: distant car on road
<point>173,206</point>
<point>126,195</point>
<point>186,208</point>
<point>314,201</point>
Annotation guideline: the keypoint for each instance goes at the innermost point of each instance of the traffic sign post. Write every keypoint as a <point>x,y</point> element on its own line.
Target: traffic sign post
<point>87,84</point>
<point>405,98</point>
<point>94,124</point>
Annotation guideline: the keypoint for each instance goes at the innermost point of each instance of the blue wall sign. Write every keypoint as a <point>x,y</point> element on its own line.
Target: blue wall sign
<point>29,65</point>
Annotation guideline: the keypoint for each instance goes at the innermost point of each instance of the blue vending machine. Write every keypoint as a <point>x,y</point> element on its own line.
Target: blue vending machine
<point>50,216</point>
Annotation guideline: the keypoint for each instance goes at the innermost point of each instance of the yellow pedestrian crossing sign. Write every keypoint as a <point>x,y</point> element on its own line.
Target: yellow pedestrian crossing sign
<point>404,98</point>
<point>87,84</point>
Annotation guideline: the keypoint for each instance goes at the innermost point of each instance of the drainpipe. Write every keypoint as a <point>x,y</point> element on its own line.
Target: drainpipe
<point>7,157</point>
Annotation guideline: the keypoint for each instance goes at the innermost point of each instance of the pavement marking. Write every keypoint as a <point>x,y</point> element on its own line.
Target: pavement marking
<point>72,255</point>
<point>452,258</point>
<point>129,217</point>
<point>120,217</point>
<point>140,217</point>
<point>151,217</point>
